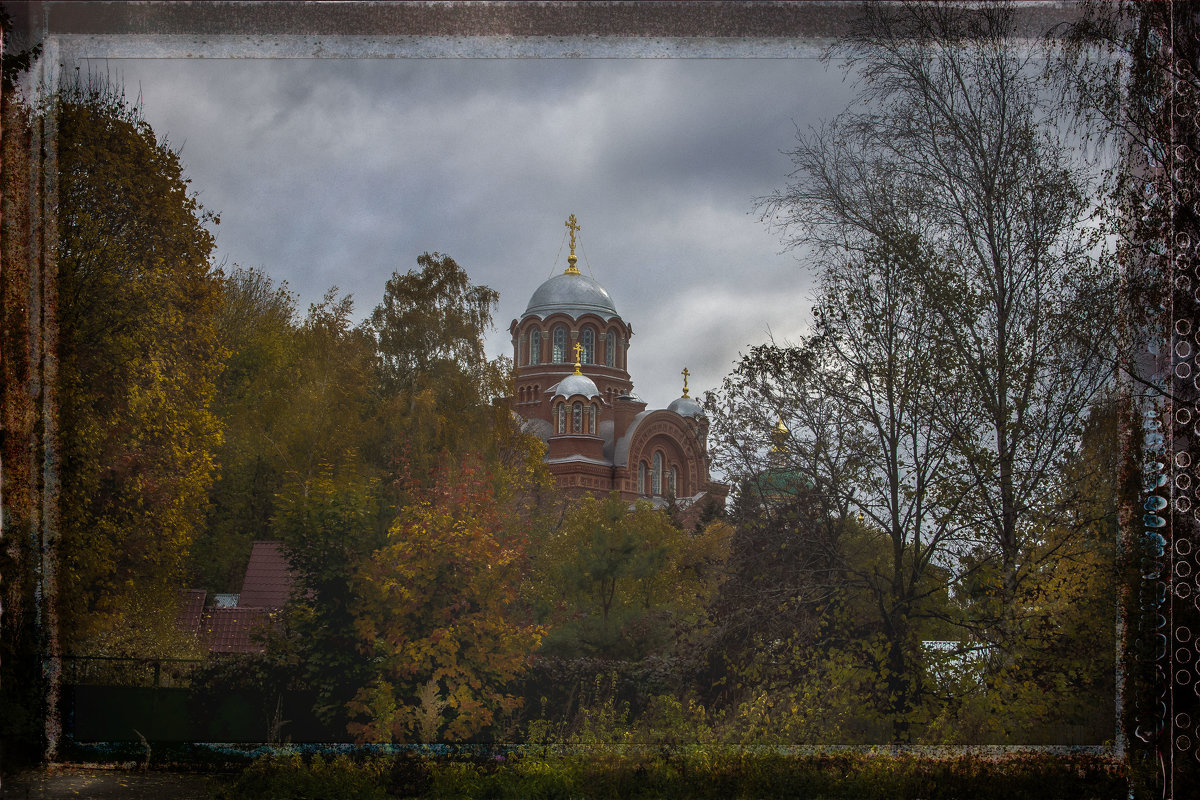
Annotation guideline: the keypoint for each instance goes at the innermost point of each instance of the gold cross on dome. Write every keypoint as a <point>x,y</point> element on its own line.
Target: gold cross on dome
<point>578,354</point>
<point>685,374</point>
<point>572,226</point>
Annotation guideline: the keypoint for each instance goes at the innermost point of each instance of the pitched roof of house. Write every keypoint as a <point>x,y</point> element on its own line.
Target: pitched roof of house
<point>231,630</point>
<point>191,611</point>
<point>269,577</point>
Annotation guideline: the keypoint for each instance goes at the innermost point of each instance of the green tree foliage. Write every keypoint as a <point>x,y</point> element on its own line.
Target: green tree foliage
<point>883,364</point>
<point>777,581</point>
<point>329,415</point>
<point>623,583</point>
<point>1056,677</point>
<point>791,693</point>
<point>430,320</point>
<point>297,403</point>
<point>439,611</point>
<point>437,386</point>
<point>327,509</point>
<point>138,360</point>
<point>329,527</point>
<point>354,436</point>
<point>257,324</point>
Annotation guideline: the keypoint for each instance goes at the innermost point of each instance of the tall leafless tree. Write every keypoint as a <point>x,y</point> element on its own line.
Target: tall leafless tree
<point>866,423</point>
<point>952,138</point>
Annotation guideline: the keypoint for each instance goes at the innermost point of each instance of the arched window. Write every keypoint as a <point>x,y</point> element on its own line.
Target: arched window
<point>562,417</point>
<point>673,482</point>
<point>592,420</point>
<point>610,349</point>
<point>577,418</point>
<point>641,487</point>
<point>589,346</point>
<point>522,351</point>
<point>560,343</point>
<point>656,475</point>
<point>535,346</point>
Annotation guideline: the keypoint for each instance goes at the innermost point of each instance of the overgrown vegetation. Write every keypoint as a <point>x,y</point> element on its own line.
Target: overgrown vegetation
<point>698,773</point>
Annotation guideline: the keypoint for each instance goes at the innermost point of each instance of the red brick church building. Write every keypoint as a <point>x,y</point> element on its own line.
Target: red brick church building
<point>570,350</point>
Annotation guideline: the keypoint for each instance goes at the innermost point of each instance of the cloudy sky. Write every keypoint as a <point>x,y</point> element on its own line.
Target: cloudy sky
<point>341,171</point>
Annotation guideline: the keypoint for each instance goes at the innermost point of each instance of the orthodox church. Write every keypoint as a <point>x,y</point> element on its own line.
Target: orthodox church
<point>570,351</point>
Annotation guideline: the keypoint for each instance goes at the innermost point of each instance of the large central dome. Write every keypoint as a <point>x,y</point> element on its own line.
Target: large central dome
<point>571,293</point>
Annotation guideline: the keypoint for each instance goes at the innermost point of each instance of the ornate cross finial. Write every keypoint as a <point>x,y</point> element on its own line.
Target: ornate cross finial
<point>779,436</point>
<point>578,353</point>
<point>685,374</point>
<point>573,226</point>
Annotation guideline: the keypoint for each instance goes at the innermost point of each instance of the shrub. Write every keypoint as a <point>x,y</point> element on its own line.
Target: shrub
<point>600,772</point>
<point>288,776</point>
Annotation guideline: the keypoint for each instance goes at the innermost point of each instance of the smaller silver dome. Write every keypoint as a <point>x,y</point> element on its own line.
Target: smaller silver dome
<point>576,384</point>
<point>686,407</point>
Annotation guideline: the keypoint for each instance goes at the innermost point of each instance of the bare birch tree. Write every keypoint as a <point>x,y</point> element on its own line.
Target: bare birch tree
<point>951,138</point>
<point>866,423</point>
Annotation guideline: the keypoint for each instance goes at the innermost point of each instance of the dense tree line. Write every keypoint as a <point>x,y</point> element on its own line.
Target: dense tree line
<point>138,356</point>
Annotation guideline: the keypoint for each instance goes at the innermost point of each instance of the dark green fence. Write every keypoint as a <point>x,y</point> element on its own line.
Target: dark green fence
<point>125,700</point>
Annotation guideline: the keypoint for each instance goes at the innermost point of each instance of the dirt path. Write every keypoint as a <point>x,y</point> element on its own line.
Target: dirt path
<point>102,784</point>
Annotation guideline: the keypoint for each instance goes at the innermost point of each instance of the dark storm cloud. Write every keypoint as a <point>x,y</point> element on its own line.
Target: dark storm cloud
<point>703,125</point>
<point>338,172</point>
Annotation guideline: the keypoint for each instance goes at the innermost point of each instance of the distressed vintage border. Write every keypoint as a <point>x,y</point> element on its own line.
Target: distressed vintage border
<point>352,29</point>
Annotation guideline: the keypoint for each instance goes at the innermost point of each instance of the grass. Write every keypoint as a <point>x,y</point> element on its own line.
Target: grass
<point>651,774</point>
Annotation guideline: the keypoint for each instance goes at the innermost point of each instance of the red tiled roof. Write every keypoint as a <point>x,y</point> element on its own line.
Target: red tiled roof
<point>269,577</point>
<point>191,611</point>
<point>265,589</point>
<point>230,630</point>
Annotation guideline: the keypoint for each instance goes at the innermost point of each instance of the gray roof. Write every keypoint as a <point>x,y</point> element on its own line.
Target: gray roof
<point>577,460</point>
<point>539,428</point>
<point>621,450</point>
<point>686,407</point>
<point>575,384</point>
<point>573,294</point>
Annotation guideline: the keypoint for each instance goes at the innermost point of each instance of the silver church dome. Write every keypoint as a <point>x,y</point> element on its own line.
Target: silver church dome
<point>573,294</point>
<point>576,384</point>
<point>686,407</point>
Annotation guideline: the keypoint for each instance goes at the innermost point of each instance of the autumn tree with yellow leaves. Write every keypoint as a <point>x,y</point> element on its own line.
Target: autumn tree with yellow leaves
<point>138,357</point>
<point>439,610</point>
<point>620,581</point>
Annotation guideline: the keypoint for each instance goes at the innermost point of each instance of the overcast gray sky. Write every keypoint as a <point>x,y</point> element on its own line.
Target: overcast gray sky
<point>341,171</point>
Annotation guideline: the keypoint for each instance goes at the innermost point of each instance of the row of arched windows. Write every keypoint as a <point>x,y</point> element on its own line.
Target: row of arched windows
<point>528,394</point>
<point>654,472</point>
<point>531,347</point>
<point>576,417</point>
